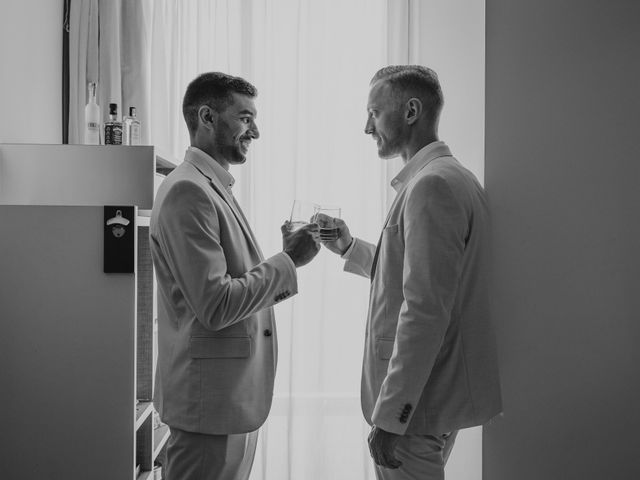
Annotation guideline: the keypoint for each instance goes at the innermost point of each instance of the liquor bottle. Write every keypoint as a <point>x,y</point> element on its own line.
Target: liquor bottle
<point>113,128</point>
<point>92,118</point>
<point>131,128</point>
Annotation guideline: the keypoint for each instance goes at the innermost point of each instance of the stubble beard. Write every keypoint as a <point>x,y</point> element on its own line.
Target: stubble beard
<point>233,152</point>
<point>387,150</point>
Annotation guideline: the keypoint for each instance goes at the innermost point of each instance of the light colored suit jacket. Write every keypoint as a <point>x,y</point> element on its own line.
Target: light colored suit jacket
<point>430,363</point>
<point>217,347</point>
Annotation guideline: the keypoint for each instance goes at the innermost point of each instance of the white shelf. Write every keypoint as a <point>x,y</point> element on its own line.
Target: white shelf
<point>143,410</point>
<point>160,437</point>
<point>146,475</point>
<point>68,175</point>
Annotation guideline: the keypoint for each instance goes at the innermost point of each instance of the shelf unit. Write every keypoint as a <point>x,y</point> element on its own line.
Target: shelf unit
<point>160,437</point>
<point>151,436</point>
<point>78,355</point>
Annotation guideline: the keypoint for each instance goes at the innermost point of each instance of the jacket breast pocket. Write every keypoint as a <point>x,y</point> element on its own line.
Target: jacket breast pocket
<point>384,348</point>
<point>391,257</point>
<point>220,347</point>
<point>390,229</point>
<point>390,244</point>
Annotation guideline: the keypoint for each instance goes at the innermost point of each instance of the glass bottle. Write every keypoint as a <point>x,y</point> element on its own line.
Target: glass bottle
<point>131,128</point>
<point>113,128</point>
<point>92,118</point>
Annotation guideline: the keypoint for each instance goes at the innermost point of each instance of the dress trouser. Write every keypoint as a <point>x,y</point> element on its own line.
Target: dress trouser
<point>423,457</point>
<point>196,456</point>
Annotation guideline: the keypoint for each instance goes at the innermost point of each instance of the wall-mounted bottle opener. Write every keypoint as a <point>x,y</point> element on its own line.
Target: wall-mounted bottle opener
<point>119,239</point>
<point>118,224</point>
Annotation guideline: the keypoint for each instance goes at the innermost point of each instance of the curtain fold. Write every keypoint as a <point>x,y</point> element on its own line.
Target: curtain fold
<point>109,45</point>
<point>83,61</point>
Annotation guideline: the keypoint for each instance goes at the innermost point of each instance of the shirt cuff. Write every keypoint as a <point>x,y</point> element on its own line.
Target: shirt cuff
<point>290,260</point>
<point>347,253</point>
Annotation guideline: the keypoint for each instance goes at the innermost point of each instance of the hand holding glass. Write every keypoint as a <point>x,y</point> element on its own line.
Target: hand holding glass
<point>325,217</point>
<point>303,213</point>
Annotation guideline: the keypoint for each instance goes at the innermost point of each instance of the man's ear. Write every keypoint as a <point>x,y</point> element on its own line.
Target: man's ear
<point>413,110</point>
<point>206,116</point>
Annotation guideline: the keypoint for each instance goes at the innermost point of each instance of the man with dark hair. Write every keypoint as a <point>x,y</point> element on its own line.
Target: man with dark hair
<point>217,345</point>
<point>430,363</point>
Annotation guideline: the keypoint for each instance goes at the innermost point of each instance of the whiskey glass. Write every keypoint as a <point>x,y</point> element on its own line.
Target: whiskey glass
<point>325,216</point>
<point>302,213</point>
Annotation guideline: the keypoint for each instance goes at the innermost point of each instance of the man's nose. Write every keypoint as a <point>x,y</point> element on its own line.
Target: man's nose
<point>253,131</point>
<point>368,128</point>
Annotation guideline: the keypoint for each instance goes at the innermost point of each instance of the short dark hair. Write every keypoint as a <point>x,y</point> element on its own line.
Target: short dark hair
<point>213,89</point>
<point>414,81</point>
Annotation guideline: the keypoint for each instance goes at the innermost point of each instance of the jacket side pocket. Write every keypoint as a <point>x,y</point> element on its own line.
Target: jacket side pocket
<point>220,347</point>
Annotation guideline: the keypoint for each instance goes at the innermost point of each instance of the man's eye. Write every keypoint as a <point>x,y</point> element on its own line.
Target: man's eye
<point>245,120</point>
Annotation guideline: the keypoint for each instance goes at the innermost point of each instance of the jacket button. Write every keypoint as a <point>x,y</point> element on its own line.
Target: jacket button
<point>267,333</point>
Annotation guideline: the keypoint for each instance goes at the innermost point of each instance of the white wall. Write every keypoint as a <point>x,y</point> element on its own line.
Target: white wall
<point>31,71</point>
<point>562,174</point>
<point>450,37</point>
<point>451,41</point>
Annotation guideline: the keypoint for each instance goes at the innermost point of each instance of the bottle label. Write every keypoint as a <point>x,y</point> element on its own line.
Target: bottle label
<point>135,134</point>
<point>113,134</point>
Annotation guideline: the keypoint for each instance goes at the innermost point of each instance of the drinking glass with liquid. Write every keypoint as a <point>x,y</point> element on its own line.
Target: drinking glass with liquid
<point>325,216</point>
<point>302,213</point>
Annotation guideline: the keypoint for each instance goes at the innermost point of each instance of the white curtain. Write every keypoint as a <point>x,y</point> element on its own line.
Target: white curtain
<point>311,62</point>
<point>109,45</point>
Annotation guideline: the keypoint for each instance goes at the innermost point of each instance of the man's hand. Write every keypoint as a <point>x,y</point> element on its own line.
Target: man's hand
<point>302,244</point>
<point>382,444</point>
<point>343,242</point>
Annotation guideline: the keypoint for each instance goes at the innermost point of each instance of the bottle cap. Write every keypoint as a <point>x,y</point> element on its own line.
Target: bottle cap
<point>113,109</point>
<point>132,111</point>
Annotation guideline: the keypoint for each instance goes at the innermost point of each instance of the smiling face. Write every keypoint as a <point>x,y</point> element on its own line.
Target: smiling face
<point>234,128</point>
<point>385,120</point>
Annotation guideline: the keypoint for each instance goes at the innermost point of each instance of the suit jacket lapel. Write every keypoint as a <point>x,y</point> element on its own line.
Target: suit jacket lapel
<point>242,221</point>
<point>384,225</point>
<point>375,258</point>
<point>208,172</point>
<point>443,153</point>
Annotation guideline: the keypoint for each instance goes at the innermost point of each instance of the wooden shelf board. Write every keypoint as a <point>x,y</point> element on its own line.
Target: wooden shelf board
<point>143,410</point>
<point>160,437</point>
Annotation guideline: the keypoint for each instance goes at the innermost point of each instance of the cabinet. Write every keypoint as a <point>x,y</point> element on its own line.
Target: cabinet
<point>77,348</point>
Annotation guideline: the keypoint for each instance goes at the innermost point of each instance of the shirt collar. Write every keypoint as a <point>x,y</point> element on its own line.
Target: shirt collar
<point>416,163</point>
<point>215,169</point>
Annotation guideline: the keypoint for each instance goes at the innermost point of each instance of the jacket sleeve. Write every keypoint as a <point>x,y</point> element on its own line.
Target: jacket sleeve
<point>435,228</point>
<point>359,258</point>
<point>188,234</point>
